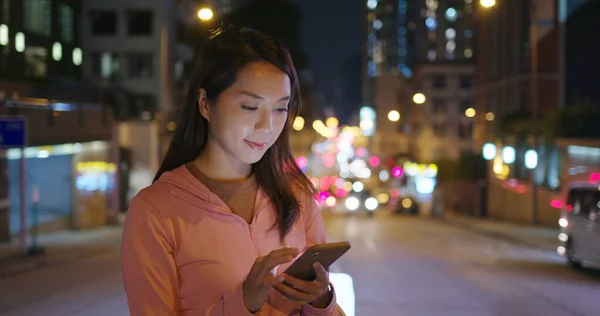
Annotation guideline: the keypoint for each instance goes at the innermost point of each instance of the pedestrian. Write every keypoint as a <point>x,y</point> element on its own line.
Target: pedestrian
<point>229,209</point>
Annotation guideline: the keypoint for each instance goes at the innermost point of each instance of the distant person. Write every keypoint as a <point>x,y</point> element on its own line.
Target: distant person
<point>229,208</point>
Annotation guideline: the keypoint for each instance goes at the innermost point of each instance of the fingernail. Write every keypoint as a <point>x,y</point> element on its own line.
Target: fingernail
<point>317,265</point>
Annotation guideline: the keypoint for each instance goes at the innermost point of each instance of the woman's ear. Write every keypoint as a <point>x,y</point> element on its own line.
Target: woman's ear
<point>203,106</point>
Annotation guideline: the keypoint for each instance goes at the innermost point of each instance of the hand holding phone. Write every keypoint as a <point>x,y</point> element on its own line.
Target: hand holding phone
<point>325,254</point>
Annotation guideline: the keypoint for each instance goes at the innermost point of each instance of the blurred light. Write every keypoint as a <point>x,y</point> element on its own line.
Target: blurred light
<point>450,33</point>
<point>394,116</point>
<point>451,14</point>
<point>489,151</point>
<point>366,124</point>
<point>470,112</point>
<point>563,237</point>
<point>3,34</point>
<point>595,177</point>
<point>563,222</point>
<point>431,23</point>
<point>361,151</point>
<point>384,175</point>
<point>315,181</point>
<point>171,126</point>
<point>395,192</point>
<point>561,250</point>
<point>365,173</point>
<point>57,51</point>
<point>328,161</point>
<point>332,122</point>
<point>358,186</point>
<point>323,195</point>
<point>77,56</point>
<point>383,198</point>
<point>374,161</point>
<point>419,98</point>
<point>318,126</point>
<point>487,3</point>
<point>531,159</point>
<point>340,192</point>
<point>556,203</point>
<point>298,123</point>
<point>352,203</point>
<point>372,4</point>
<point>508,154</point>
<point>301,162</point>
<point>205,14</point>
<point>490,116</point>
<point>330,201</point>
<point>20,42</point>
<point>397,172</point>
<point>425,185</point>
<point>377,24</point>
<point>406,203</point>
<point>468,53</point>
<point>348,186</point>
<point>371,204</point>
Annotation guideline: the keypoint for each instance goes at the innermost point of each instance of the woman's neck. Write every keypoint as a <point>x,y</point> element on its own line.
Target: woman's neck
<point>218,165</point>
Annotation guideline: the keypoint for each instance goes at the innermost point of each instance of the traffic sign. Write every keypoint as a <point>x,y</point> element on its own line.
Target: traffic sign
<point>13,132</point>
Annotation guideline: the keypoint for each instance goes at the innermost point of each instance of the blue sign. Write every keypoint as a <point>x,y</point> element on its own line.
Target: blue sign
<point>13,132</point>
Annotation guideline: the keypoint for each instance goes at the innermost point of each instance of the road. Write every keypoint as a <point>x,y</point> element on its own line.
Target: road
<point>400,266</point>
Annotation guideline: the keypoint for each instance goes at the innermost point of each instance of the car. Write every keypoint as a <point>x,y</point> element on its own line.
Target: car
<point>579,237</point>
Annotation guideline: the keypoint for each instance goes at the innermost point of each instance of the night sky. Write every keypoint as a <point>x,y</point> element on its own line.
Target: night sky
<point>332,36</point>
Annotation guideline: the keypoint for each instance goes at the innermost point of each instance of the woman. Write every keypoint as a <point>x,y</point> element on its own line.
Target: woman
<point>229,209</point>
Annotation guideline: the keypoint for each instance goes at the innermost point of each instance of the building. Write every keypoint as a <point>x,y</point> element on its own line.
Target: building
<point>140,46</point>
<point>69,159</point>
<point>421,46</point>
<point>535,56</point>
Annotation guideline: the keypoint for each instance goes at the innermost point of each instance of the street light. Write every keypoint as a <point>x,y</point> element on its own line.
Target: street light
<point>419,98</point>
<point>470,112</point>
<point>487,3</point>
<point>394,116</point>
<point>205,14</point>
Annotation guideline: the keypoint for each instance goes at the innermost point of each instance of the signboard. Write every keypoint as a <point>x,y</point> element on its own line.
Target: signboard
<point>13,132</point>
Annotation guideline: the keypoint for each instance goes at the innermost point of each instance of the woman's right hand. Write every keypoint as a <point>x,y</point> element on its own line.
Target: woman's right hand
<point>257,285</point>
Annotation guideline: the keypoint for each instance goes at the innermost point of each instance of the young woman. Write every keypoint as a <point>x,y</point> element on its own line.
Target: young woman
<point>229,209</point>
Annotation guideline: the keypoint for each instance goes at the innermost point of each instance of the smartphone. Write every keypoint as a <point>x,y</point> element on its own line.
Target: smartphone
<point>326,254</point>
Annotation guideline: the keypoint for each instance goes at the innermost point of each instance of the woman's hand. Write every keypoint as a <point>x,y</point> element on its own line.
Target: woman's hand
<point>314,292</point>
<point>260,279</point>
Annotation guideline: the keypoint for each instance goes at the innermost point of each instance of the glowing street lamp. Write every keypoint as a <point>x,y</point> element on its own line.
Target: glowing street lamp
<point>205,14</point>
<point>394,116</point>
<point>487,3</point>
<point>419,98</point>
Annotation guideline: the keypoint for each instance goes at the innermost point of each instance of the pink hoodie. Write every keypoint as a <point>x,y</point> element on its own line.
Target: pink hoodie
<point>185,253</point>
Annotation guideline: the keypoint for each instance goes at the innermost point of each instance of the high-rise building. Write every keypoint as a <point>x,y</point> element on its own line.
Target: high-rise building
<point>424,46</point>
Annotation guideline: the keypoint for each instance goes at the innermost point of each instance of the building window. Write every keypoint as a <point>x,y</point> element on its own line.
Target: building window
<point>465,82</point>
<point>465,130</point>
<point>439,82</point>
<point>103,22</point>
<point>37,16</point>
<point>439,106</point>
<point>465,104</point>
<point>139,22</point>
<point>105,65</point>
<point>67,22</point>
<point>139,65</point>
<point>35,62</point>
<point>5,11</point>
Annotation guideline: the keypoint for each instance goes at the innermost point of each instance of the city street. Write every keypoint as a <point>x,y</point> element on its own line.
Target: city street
<point>400,266</point>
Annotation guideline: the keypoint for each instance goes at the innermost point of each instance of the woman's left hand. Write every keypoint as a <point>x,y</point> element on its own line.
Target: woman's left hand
<point>314,292</point>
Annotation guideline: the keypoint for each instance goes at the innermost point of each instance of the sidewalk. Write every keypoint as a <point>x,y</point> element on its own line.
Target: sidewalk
<point>60,246</point>
<point>545,238</point>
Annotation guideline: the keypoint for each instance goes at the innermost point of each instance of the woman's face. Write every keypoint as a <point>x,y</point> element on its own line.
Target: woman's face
<point>248,117</point>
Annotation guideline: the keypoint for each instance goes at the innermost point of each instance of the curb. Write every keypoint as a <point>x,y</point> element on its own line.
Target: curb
<point>493,234</point>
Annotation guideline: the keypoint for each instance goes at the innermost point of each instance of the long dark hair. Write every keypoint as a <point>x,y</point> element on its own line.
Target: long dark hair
<point>227,51</point>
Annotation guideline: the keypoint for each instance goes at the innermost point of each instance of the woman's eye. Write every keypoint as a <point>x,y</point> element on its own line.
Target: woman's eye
<point>281,109</point>
<point>248,108</point>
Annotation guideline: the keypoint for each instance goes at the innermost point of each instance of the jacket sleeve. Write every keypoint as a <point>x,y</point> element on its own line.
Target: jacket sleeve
<point>150,273</point>
<point>315,234</point>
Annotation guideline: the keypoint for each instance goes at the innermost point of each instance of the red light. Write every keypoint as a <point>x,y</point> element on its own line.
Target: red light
<point>521,188</point>
<point>323,195</point>
<point>556,203</point>
<point>397,172</point>
<point>324,184</point>
<point>395,193</point>
<point>340,192</point>
<point>301,162</point>
<point>595,177</point>
<point>374,161</point>
<point>390,162</point>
